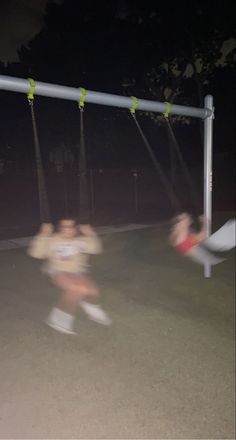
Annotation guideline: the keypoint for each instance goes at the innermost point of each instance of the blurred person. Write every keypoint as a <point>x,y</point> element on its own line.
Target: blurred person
<point>66,253</point>
<point>190,243</point>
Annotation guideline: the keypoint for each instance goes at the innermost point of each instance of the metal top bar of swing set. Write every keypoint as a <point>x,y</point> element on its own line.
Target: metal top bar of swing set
<point>74,94</point>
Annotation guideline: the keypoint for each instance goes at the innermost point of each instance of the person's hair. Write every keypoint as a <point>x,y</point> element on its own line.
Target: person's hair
<point>176,218</point>
<point>67,218</point>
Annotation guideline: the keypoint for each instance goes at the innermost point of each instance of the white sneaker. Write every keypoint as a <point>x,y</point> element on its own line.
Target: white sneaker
<point>60,329</point>
<point>95,313</point>
<point>61,321</point>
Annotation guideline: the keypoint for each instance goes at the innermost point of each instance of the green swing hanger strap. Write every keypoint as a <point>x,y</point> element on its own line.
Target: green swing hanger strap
<point>82,99</point>
<point>135,106</point>
<point>30,95</point>
<point>169,108</point>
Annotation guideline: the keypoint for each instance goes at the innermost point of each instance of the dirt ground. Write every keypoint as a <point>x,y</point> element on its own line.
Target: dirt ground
<point>164,369</point>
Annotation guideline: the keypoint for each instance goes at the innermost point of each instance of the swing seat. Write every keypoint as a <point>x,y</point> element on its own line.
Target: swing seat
<point>224,239</point>
<point>203,257</point>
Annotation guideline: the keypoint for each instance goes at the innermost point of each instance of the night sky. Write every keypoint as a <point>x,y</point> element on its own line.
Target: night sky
<point>173,51</point>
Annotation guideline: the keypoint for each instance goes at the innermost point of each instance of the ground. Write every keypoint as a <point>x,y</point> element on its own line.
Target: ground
<point>164,369</point>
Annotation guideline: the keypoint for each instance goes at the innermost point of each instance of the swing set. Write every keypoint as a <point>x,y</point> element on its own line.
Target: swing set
<point>80,95</point>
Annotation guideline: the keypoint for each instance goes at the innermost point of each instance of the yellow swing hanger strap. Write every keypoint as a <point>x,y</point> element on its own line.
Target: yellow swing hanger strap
<point>82,99</point>
<point>30,95</point>
<point>169,108</point>
<point>135,106</point>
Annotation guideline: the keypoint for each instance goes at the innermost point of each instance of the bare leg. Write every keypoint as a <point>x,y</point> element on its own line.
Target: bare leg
<point>68,302</point>
<point>63,315</point>
<point>74,288</point>
<point>79,291</point>
<point>88,303</point>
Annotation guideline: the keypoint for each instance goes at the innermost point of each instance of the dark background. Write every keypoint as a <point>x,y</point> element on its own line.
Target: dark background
<point>173,51</point>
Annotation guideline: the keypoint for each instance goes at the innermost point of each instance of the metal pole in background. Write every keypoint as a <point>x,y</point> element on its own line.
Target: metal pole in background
<point>74,94</point>
<point>208,138</point>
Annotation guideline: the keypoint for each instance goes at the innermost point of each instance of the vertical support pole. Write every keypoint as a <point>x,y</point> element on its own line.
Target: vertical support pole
<point>208,137</point>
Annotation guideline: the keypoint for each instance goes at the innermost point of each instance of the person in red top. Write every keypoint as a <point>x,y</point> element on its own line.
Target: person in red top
<point>188,242</point>
<point>181,235</point>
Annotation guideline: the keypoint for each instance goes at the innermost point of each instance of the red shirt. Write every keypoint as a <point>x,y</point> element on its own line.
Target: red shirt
<point>187,244</point>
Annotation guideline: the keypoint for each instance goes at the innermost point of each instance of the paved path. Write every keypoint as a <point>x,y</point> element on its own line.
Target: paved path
<point>164,369</point>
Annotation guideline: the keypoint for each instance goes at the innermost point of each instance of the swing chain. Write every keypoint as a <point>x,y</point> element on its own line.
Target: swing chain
<point>82,99</point>
<point>135,106</point>
<point>169,108</point>
<point>30,95</point>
